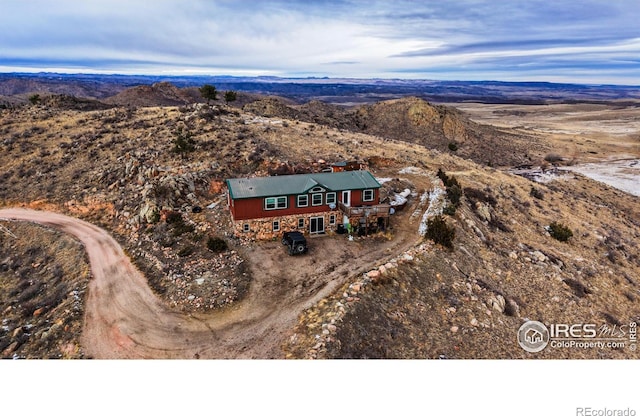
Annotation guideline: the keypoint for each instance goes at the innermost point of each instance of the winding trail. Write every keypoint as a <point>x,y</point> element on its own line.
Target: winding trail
<point>124,318</point>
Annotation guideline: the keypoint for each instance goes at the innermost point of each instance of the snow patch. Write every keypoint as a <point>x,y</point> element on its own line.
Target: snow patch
<point>383,180</point>
<point>436,204</point>
<point>413,170</point>
<point>621,174</point>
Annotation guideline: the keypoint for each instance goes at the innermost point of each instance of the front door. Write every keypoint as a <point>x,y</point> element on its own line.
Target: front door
<point>346,198</point>
<point>316,225</point>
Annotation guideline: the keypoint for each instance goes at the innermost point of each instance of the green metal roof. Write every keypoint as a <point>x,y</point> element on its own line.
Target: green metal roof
<point>241,188</point>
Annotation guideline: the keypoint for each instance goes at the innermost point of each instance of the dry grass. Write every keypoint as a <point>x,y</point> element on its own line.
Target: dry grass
<point>76,162</point>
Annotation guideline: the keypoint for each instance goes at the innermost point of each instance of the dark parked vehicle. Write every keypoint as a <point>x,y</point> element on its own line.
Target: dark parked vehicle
<point>295,241</point>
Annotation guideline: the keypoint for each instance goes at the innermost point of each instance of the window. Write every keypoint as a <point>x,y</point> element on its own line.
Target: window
<point>276,226</point>
<point>317,189</point>
<point>245,228</point>
<point>303,201</point>
<point>300,222</point>
<point>367,195</point>
<point>279,202</point>
<point>332,219</point>
<point>331,198</point>
<point>316,199</point>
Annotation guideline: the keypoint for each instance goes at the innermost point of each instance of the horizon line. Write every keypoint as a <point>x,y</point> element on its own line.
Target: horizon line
<point>315,77</point>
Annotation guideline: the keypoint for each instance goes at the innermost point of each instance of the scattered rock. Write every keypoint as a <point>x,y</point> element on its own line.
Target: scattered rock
<point>454,329</point>
<point>538,256</point>
<point>498,303</point>
<point>483,211</point>
<point>407,257</point>
<point>373,274</point>
<point>10,349</point>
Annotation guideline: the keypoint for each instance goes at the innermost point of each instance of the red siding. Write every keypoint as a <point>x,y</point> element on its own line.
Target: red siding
<point>356,198</point>
<point>246,209</point>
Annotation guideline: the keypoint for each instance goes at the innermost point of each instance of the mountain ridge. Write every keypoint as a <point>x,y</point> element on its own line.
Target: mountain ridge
<point>337,90</point>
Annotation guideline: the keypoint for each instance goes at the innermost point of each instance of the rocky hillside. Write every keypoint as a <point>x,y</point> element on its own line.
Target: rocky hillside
<point>504,268</point>
<point>43,281</point>
<point>447,130</point>
<point>159,94</point>
<point>153,176</point>
<point>414,120</point>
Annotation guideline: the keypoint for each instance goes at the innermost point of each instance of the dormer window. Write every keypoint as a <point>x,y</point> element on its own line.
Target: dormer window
<point>317,189</point>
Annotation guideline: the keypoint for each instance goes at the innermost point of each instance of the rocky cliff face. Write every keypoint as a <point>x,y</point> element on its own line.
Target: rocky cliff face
<point>414,120</point>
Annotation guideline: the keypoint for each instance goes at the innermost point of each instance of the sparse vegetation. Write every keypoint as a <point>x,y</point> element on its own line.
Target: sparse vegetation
<point>560,231</point>
<point>579,289</point>
<point>209,92</point>
<point>42,277</point>
<point>440,232</point>
<point>478,195</point>
<point>183,142</point>
<point>553,158</point>
<point>34,99</point>
<point>536,193</point>
<point>216,244</point>
<point>185,251</point>
<point>454,192</point>
<point>230,96</point>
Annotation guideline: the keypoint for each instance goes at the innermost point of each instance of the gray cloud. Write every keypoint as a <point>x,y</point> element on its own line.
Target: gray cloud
<point>468,39</point>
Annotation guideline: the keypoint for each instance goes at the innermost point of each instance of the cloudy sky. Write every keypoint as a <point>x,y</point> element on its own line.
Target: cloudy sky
<point>587,41</point>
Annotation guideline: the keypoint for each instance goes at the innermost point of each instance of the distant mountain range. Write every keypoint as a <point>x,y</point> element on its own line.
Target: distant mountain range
<point>332,90</point>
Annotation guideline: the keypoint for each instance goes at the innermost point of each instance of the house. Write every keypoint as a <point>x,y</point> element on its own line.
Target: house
<point>313,203</point>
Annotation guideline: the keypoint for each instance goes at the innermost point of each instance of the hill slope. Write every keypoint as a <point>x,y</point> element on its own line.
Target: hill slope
<point>159,94</point>
<point>119,168</point>
<point>414,120</point>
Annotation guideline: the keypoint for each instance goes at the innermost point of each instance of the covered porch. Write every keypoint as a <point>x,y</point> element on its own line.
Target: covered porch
<point>366,219</point>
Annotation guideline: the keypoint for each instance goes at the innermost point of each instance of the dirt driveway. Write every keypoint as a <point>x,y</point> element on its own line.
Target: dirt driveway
<point>124,319</point>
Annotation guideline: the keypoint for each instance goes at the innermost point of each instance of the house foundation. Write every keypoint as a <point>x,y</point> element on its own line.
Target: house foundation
<point>273,227</point>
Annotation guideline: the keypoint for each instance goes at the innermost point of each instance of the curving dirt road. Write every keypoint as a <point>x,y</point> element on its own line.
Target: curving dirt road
<point>124,319</point>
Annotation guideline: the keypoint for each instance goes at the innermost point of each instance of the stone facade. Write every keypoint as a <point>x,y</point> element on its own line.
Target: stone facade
<point>263,228</point>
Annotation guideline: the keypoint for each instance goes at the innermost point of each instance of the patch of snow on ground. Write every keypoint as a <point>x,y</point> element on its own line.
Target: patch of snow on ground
<point>423,200</point>
<point>436,204</point>
<point>540,176</point>
<point>621,174</point>
<point>412,170</point>
<point>383,180</point>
